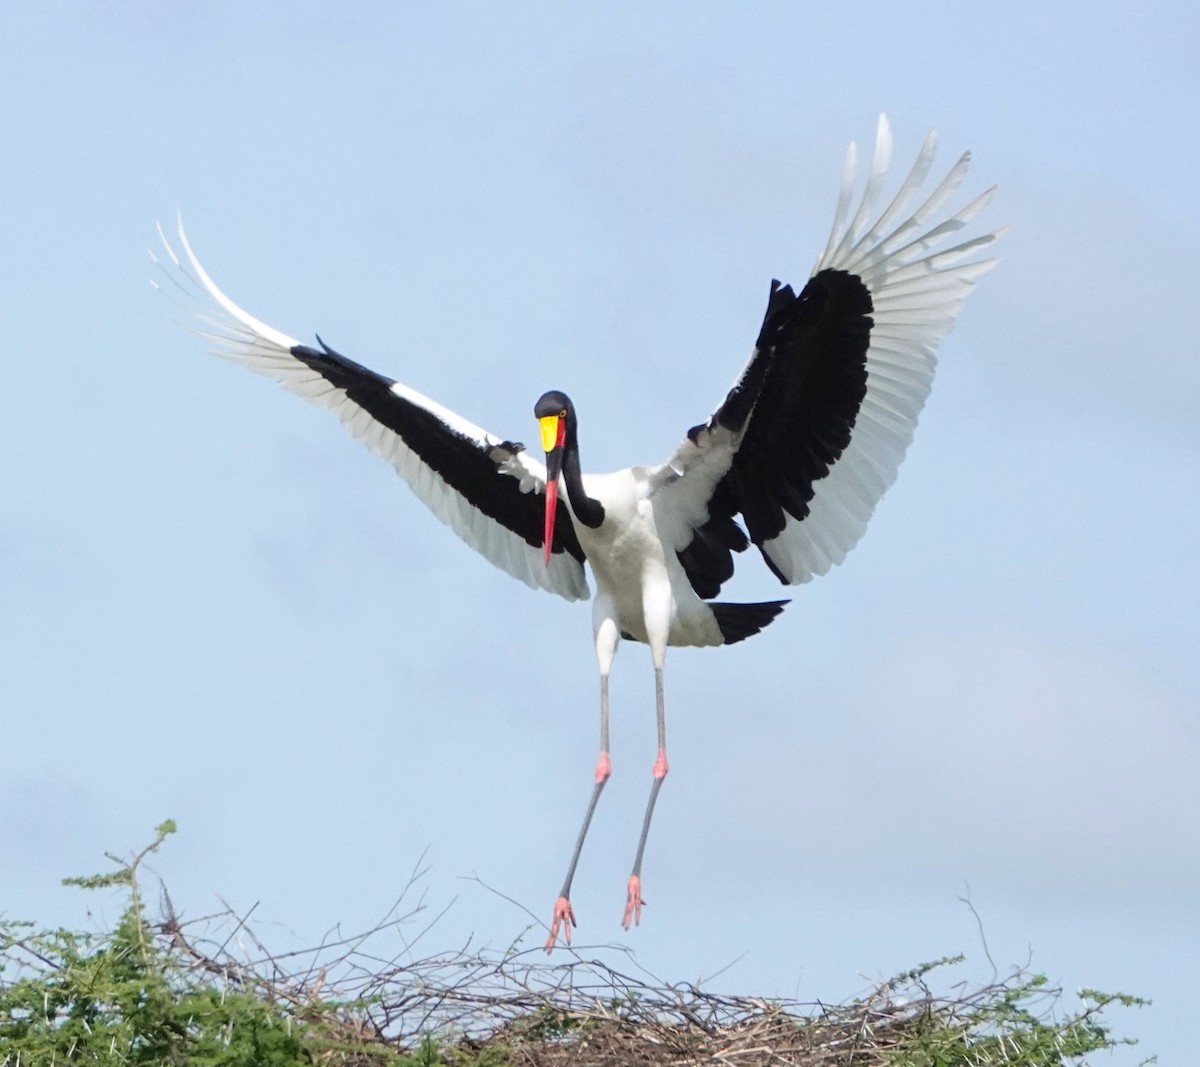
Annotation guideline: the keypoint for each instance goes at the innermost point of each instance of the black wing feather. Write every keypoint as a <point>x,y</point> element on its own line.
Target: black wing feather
<point>796,402</point>
<point>457,459</point>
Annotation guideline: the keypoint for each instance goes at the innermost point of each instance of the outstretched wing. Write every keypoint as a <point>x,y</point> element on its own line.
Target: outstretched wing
<point>812,433</point>
<point>486,489</point>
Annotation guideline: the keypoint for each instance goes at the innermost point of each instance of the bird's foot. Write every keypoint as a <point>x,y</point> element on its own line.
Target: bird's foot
<point>633,905</point>
<point>564,919</point>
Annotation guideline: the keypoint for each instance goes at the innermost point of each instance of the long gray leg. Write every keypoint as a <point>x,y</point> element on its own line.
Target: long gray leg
<point>634,902</point>
<point>607,638</point>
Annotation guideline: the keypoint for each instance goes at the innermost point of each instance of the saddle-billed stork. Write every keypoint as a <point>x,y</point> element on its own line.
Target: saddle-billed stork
<point>801,449</point>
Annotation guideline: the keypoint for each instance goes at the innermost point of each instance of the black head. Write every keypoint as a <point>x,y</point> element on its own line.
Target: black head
<point>554,402</point>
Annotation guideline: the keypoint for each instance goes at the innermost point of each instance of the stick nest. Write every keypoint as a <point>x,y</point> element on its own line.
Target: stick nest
<point>210,984</point>
<point>471,1008</point>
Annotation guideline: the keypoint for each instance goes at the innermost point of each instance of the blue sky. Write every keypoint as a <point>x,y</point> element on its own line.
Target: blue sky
<point>216,606</point>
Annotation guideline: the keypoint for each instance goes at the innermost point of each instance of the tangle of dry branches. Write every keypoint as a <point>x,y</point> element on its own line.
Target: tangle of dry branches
<point>587,1013</point>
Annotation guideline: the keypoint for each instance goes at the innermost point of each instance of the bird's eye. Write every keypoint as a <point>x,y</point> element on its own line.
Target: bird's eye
<point>562,414</point>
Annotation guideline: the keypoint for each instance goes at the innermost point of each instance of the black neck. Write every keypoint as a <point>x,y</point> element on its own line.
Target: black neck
<point>588,511</point>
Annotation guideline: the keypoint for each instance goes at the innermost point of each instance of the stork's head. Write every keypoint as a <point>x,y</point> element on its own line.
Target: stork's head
<point>555,415</point>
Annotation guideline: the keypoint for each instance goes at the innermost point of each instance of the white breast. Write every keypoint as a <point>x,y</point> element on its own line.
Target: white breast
<point>631,566</point>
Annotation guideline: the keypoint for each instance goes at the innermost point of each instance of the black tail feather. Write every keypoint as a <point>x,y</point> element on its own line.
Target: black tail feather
<point>739,621</point>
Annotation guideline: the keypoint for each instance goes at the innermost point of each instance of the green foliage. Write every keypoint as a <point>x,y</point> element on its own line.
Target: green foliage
<point>1006,1023</point>
<point>132,996</point>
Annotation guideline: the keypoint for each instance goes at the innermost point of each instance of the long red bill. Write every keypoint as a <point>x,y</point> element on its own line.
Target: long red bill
<point>551,511</point>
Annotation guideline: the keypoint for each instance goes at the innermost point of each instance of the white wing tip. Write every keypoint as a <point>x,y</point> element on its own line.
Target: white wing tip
<point>202,285</point>
<point>858,244</point>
